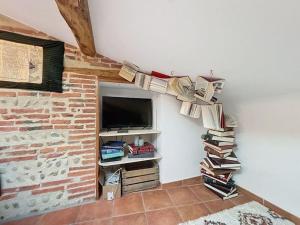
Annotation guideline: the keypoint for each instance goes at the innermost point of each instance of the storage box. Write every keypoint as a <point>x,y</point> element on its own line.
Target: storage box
<point>111,191</point>
<point>140,176</point>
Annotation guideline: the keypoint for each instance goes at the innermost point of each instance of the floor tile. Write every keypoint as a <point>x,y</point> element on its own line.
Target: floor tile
<point>102,222</point>
<point>129,204</point>
<point>171,185</point>
<point>192,212</point>
<point>192,181</point>
<point>182,195</point>
<point>168,216</point>
<point>241,200</point>
<point>156,199</point>
<point>98,210</point>
<point>135,219</point>
<point>61,217</point>
<point>218,205</point>
<point>203,194</point>
<point>27,221</point>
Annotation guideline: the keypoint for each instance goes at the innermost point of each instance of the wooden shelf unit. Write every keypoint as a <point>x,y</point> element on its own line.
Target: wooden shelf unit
<point>129,133</point>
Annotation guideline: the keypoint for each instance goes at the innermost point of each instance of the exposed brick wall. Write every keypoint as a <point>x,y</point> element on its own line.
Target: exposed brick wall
<point>47,152</point>
<point>47,140</point>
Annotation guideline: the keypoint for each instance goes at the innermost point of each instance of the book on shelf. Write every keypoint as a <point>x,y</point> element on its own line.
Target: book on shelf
<point>147,81</point>
<point>214,172</point>
<point>232,195</point>
<point>221,178</point>
<point>222,163</point>
<point>229,186</point>
<point>217,153</point>
<point>128,71</point>
<point>229,156</point>
<point>182,88</point>
<point>158,85</point>
<point>204,83</point>
<point>230,121</point>
<point>222,192</point>
<point>191,110</point>
<point>213,116</point>
<point>204,101</point>
<point>221,133</point>
<point>220,149</point>
<point>220,143</point>
<point>211,137</point>
<point>142,80</point>
<point>204,88</point>
<point>187,94</point>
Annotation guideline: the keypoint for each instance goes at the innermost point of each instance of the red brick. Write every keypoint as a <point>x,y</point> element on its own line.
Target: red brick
<point>54,155</point>
<point>23,158</point>
<point>81,152</point>
<point>65,95</point>
<point>47,150</point>
<point>76,105</point>
<point>37,116</point>
<point>86,116</point>
<point>92,156</point>
<point>67,148</point>
<point>28,152</point>
<point>60,121</point>
<point>8,94</point>
<point>81,173</point>
<point>27,110</point>
<point>67,115</point>
<point>89,110</point>
<point>82,189</point>
<point>4,147</point>
<point>3,111</point>
<point>90,96</point>
<point>57,182</point>
<point>116,66</point>
<point>44,94</point>
<point>10,117</point>
<point>89,86</point>
<point>41,191</point>
<point>81,195</point>
<point>36,145</point>
<point>90,126</point>
<point>6,197</point>
<point>58,103</point>
<point>6,123</point>
<point>90,177</point>
<point>22,188</point>
<point>18,147</point>
<point>81,81</point>
<point>21,93</point>
<point>88,142</point>
<point>84,121</point>
<point>82,100</point>
<point>79,184</point>
<point>58,109</point>
<point>81,168</point>
<point>87,162</point>
<point>8,129</point>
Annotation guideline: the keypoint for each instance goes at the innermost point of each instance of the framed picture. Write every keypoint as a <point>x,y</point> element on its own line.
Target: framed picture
<point>30,63</point>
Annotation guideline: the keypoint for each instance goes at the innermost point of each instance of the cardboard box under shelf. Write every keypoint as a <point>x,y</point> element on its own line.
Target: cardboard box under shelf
<point>140,176</point>
<point>109,190</point>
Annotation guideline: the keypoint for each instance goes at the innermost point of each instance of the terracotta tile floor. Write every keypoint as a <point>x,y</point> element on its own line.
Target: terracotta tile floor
<point>168,205</point>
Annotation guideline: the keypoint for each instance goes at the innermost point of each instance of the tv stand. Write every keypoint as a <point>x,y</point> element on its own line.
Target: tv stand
<point>122,131</point>
<point>127,133</point>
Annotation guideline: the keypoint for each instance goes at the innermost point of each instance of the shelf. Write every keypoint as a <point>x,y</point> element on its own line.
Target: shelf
<point>126,160</point>
<point>130,132</point>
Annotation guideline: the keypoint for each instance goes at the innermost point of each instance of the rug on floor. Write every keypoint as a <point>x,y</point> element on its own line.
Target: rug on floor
<point>251,213</point>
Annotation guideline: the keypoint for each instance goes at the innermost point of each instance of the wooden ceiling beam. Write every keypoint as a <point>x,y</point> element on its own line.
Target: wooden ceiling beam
<point>76,14</point>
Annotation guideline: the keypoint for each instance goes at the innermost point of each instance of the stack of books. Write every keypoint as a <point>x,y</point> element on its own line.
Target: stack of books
<point>220,162</point>
<point>112,151</point>
<point>145,151</point>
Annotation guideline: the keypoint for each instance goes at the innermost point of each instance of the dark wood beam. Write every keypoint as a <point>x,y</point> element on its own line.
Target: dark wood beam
<point>76,14</point>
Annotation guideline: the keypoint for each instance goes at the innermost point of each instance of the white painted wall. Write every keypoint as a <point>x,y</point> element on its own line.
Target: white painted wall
<point>268,147</point>
<point>180,140</point>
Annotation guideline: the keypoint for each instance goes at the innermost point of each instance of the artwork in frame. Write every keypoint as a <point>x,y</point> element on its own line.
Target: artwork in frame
<point>30,63</point>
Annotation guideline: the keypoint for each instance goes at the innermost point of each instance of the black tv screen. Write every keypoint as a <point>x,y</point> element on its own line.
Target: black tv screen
<point>118,112</point>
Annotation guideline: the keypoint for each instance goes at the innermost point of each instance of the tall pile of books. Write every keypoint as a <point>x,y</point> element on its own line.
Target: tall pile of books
<point>112,151</point>
<point>220,163</point>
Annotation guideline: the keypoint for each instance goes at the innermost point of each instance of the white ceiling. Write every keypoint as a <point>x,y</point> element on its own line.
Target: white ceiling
<point>254,44</point>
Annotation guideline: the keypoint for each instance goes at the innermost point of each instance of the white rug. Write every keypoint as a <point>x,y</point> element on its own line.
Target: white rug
<point>251,213</point>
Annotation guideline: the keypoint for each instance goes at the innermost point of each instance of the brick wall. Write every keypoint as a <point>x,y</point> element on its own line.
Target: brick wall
<point>47,152</point>
<point>47,140</point>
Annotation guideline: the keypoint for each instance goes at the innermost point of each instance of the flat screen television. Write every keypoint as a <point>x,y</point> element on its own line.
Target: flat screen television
<point>119,112</point>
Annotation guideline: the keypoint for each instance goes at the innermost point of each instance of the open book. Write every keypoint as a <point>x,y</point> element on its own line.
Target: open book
<point>190,109</point>
<point>213,116</point>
